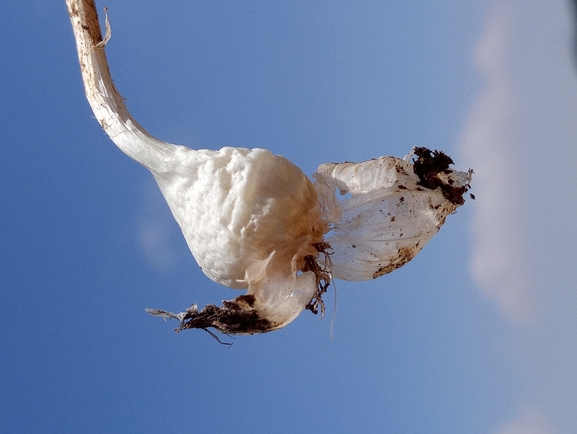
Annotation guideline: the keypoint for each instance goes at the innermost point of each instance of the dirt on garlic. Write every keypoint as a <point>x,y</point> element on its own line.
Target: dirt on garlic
<point>254,220</point>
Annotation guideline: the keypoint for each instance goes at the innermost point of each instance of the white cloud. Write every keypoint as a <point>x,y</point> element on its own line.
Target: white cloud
<point>531,421</point>
<point>488,142</point>
<point>157,231</point>
<point>520,137</point>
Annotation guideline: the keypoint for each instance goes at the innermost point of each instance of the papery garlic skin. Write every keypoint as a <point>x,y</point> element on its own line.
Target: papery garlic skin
<point>388,218</point>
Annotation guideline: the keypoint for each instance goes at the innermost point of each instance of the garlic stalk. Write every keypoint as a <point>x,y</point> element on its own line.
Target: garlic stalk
<point>254,220</point>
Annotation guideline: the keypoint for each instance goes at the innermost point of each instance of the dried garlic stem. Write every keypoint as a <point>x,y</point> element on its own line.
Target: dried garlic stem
<point>107,104</point>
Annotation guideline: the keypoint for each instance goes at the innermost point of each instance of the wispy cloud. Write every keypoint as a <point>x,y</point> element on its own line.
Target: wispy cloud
<point>488,142</point>
<point>157,230</point>
<point>520,138</point>
<point>530,421</point>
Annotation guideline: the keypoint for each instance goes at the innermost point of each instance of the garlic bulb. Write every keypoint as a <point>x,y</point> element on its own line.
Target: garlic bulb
<point>254,220</point>
<point>251,219</point>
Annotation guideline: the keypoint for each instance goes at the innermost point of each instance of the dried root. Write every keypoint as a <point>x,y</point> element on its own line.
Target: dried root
<point>235,317</point>
<point>324,277</point>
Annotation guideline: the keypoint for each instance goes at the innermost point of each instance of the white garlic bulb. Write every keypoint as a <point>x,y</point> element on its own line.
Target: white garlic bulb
<point>254,220</point>
<point>251,219</point>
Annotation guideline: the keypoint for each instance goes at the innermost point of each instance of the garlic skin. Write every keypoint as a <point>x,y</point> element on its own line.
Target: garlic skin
<point>254,220</point>
<point>390,215</point>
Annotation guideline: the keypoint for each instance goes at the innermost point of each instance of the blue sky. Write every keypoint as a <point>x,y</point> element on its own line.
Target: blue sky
<point>477,334</point>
